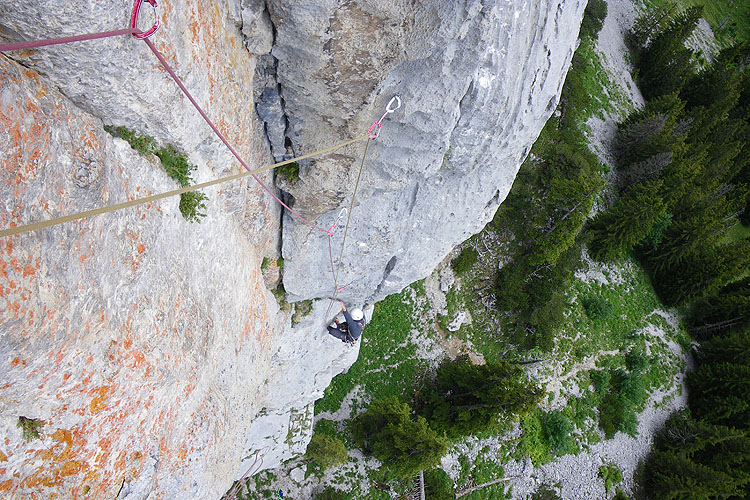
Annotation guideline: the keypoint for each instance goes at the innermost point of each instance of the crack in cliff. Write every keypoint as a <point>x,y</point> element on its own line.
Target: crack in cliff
<point>386,272</point>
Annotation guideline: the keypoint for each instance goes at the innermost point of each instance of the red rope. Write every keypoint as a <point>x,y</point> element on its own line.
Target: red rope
<point>223,139</point>
<point>4,47</point>
<point>137,32</point>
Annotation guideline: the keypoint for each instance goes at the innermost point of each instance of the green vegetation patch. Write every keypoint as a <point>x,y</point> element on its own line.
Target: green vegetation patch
<point>29,427</point>
<point>325,451</point>
<point>290,172</point>
<point>175,163</point>
<point>611,476</point>
<point>387,365</point>
<point>467,258</point>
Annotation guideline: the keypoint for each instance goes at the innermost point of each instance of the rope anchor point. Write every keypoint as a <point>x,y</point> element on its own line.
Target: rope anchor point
<point>134,19</point>
<point>372,132</point>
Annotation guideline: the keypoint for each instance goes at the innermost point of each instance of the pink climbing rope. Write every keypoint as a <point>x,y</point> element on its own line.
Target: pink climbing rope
<point>5,47</point>
<point>221,137</point>
<point>232,494</point>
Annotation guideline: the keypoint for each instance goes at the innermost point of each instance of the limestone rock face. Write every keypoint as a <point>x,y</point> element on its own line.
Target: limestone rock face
<point>303,363</point>
<point>140,341</point>
<point>478,80</point>
<point>158,362</point>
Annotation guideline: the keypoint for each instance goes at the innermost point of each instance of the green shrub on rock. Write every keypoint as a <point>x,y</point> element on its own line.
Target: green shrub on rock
<point>325,451</point>
<point>467,258</point>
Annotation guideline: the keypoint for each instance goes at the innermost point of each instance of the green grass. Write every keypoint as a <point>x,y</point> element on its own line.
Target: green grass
<point>630,302</point>
<point>176,165</point>
<point>387,365</point>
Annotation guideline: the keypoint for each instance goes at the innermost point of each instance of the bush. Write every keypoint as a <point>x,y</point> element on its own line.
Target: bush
<point>533,443</point>
<point>611,411</point>
<point>636,361</point>
<point>620,495</point>
<point>611,475</point>
<point>176,165</point>
<point>191,204</point>
<point>601,380</point>
<point>597,308</point>
<point>330,494</point>
<point>593,19</point>
<point>467,258</point>
<point>144,144</point>
<point>325,451</point>
<point>290,171</point>
<point>557,431</point>
<point>438,486</point>
<point>29,427</point>
<point>545,492</point>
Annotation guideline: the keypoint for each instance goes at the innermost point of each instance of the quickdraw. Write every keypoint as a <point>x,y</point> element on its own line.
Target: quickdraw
<point>339,218</point>
<point>379,123</point>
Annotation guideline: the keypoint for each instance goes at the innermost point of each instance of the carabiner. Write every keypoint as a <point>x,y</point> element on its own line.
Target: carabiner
<point>134,19</point>
<point>398,105</point>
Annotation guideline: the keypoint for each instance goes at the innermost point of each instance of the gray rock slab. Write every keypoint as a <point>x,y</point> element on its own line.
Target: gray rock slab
<point>478,80</point>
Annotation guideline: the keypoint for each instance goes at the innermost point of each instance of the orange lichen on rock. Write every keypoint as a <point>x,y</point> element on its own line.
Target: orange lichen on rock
<point>97,404</point>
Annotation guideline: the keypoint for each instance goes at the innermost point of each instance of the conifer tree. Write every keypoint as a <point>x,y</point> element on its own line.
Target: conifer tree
<point>701,273</point>
<point>720,393</point>
<point>728,308</point>
<point>691,231</point>
<point>618,230</point>
<point>730,347</point>
<point>650,131</point>
<point>651,22</point>
<point>467,398</point>
<point>695,459</point>
<point>674,476</point>
<point>403,444</point>
<point>665,65</point>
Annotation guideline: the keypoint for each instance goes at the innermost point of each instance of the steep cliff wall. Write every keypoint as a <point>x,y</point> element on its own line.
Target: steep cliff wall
<point>140,340</point>
<point>478,80</point>
<point>149,347</point>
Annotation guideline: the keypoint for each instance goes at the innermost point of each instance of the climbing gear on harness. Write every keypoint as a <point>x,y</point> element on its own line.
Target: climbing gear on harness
<point>134,19</point>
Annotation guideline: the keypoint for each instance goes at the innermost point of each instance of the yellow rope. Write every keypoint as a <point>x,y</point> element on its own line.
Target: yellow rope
<point>139,201</point>
<point>349,218</point>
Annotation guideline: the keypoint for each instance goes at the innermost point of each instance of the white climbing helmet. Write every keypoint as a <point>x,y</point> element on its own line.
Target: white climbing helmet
<point>357,314</point>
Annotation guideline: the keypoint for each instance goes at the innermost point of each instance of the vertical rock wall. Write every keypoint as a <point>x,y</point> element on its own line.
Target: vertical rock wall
<point>141,341</point>
<point>478,80</point>
<point>149,347</point>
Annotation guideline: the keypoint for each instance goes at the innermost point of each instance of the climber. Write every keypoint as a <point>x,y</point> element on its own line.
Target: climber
<point>351,330</point>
